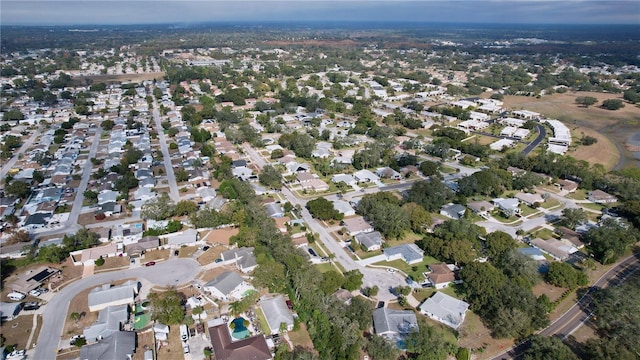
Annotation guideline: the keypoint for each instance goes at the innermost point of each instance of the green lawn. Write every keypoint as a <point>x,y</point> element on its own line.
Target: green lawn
<point>453,290</point>
<point>447,169</point>
<point>543,233</point>
<point>592,206</point>
<point>409,269</point>
<point>578,195</point>
<point>527,210</point>
<point>549,203</point>
<point>264,326</point>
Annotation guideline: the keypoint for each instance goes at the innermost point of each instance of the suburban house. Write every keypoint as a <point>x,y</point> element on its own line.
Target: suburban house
<point>119,345</point>
<point>394,324</point>
<point>254,347</point>
<point>567,185</point>
<point>274,210</point>
<point>110,320</point>
<point>571,236</point>
<point>482,208</point>
<point>530,199</point>
<point>601,197</point>
<point>89,256</point>
<point>243,257</point>
<point>357,225</point>
<point>347,179</point>
<point>509,207</point>
<point>365,176</point>
<point>277,313</point>
<point>453,211</point>
<point>556,248</point>
<point>344,207</point>
<point>142,245</point>
<point>186,237</point>
<point>228,286</point>
<point>32,279</point>
<point>441,275</point>
<point>445,309</point>
<point>388,173</point>
<point>106,295</point>
<point>371,241</point>
<point>410,253</point>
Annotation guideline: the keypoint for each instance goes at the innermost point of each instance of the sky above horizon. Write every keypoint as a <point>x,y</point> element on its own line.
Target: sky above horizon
<point>118,12</point>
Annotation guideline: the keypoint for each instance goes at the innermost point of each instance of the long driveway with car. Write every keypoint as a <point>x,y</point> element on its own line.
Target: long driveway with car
<point>172,272</point>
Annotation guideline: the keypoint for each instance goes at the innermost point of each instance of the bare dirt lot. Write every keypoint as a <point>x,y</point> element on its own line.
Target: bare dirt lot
<point>616,125</point>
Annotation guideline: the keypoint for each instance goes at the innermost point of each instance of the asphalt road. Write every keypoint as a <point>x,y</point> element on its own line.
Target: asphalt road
<point>170,272</point>
<point>174,194</point>
<point>27,144</point>
<point>542,132</point>
<point>579,313</point>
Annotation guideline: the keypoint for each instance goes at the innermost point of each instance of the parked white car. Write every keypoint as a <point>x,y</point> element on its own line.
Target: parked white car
<point>15,296</point>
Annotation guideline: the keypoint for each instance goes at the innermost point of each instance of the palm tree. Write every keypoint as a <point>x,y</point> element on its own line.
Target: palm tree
<point>235,308</point>
<point>198,310</point>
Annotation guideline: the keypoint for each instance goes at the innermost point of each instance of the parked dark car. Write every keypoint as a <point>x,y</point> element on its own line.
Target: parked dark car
<point>32,305</point>
<point>150,263</point>
<point>312,252</point>
<point>289,304</point>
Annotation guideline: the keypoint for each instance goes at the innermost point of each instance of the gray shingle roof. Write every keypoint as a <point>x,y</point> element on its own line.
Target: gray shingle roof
<point>445,309</point>
<point>117,346</point>
<point>225,282</point>
<point>276,312</point>
<point>390,322</point>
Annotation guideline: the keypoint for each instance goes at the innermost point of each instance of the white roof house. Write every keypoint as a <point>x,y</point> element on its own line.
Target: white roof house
<point>393,324</point>
<point>188,236</point>
<point>445,309</point>
<point>344,207</point>
<point>561,133</point>
<point>243,258</point>
<point>500,144</point>
<point>276,312</point>
<point>109,321</point>
<point>228,286</point>
<point>410,253</point>
<point>106,295</point>
<point>347,179</point>
<point>365,176</point>
<point>371,240</point>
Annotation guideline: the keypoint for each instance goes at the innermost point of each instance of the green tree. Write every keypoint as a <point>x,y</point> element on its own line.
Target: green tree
<point>75,316</point>
<point>271,177</point>
<point>352,280</point>
<point>19,189</point>
<point>573,217</point>
<point>323,209</point>
<point>612,104</point>
<point>586,101</point>
<point>429,168</point>
<point>497,243</point>
<point>428,343</point>
<point>379,348</point>
<point>158,208</point>
<point>185,207</point>
<point>166,307</point>
<point>564,275</point>
<point>610,240</point>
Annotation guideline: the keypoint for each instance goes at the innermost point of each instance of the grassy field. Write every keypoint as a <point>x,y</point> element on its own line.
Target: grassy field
<point>616,126</point>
